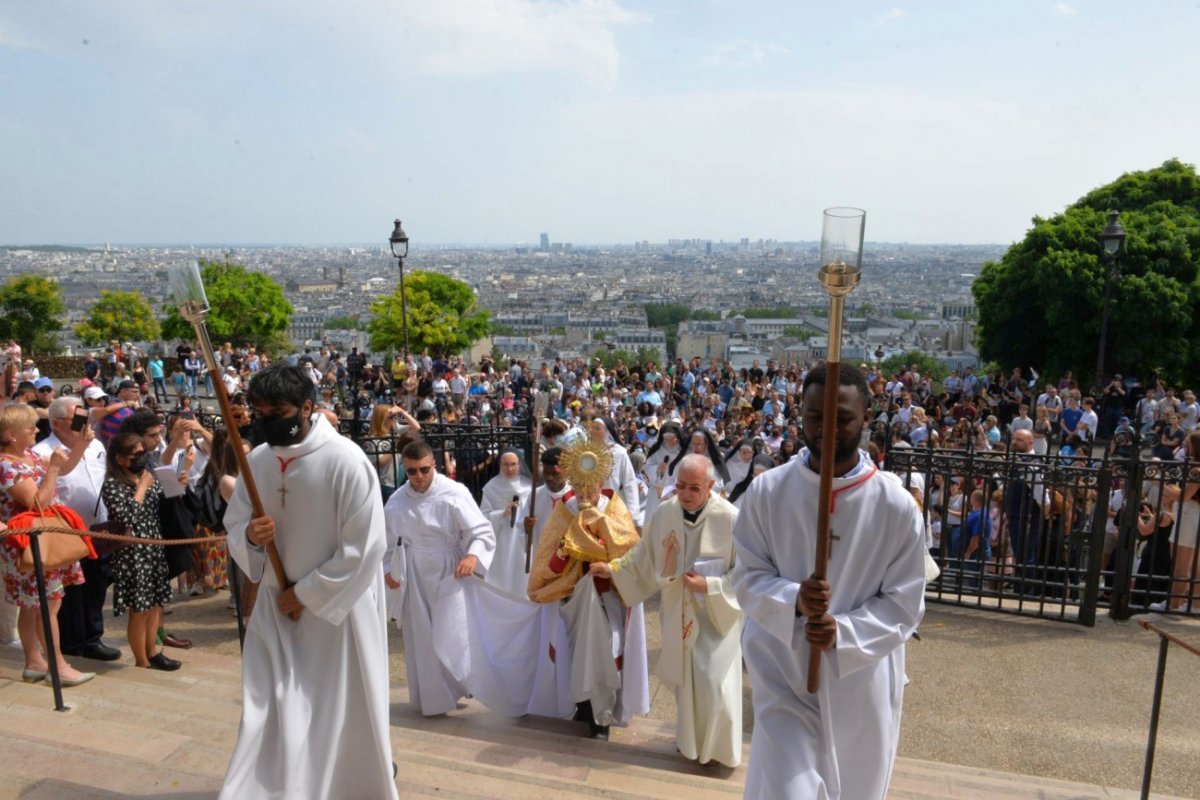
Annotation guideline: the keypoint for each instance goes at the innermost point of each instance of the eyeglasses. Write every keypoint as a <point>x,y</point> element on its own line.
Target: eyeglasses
<point>411,471</point>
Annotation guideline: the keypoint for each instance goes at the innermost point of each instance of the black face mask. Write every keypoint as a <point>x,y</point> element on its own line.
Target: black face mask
<point>139,464</point>
<point>280,431</point>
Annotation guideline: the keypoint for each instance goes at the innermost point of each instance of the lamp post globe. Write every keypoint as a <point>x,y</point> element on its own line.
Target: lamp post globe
<point>1113,240</point>
<point>399,243</point>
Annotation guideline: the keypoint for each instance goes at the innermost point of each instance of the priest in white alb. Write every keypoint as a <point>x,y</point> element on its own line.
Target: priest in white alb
<point>841,741</point>
<point>314,666</point>
<point>506,504</point>
<point>435,532</point>
<point>609,680</point>
<point>686,552</point>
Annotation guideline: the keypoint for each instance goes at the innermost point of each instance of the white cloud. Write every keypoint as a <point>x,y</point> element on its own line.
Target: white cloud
<point>482,37</point>
<point>1064,10</point>
<point>891,16</point>
<point>742,53</point>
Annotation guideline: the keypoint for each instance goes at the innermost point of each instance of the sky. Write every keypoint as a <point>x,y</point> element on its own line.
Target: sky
<point>597,121</point>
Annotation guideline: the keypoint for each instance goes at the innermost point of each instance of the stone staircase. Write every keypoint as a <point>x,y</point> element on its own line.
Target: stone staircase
<point>140,733</point>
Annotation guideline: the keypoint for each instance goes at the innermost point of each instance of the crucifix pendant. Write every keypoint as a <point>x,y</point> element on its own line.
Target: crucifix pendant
<point>283,466</point>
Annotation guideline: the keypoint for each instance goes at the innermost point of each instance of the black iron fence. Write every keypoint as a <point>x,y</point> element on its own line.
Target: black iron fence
<point>1058,536</point>
<point>468,453</point>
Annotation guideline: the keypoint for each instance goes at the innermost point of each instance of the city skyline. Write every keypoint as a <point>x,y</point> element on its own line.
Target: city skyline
<point>486,122</point>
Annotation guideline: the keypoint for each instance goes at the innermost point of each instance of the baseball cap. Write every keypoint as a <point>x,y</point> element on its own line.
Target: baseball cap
<point>43,383</point>
<point>123,385</point>
<point>94,393</point>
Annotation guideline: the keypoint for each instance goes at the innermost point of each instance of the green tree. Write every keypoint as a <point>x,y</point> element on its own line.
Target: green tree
<point>666,315</point>
<point>442,316</point>
<point>125,316</point>
<point>702,315</point>
<point>1040,304</point>
<point>246,308</point>
<point>608,358</point>
<point>345,323</point>
<point>927,365</point>
<point>31,310</point>
<point>796,332</point>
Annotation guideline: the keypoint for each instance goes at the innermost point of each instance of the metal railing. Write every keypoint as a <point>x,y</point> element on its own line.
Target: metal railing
<point>1057,536</point>
<point>1165,640</point>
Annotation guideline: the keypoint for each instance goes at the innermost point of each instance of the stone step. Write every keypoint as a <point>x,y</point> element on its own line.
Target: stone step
<point>142,733</point>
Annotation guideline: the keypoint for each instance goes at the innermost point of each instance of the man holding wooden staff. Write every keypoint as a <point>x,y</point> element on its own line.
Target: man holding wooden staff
<point>841,741</point>
<point>314,667</point>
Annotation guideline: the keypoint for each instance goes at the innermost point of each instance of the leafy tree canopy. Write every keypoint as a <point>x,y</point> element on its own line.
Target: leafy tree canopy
<point>246,308</point>
<point>1040,304</point>
<point>442,316</point>
<point>345,323</point>
<point>644,355</point>
<point>125,316</point>
<point>661,315</point>
<point>927,365</point>
<point>31,310</point>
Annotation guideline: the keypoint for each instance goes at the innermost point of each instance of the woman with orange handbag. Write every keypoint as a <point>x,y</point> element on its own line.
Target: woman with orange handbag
<point>26,483</point>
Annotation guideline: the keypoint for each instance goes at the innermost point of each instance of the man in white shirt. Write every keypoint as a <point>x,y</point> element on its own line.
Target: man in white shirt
<point>1090,418</point>
<point>81,616</point>
<point>1189,412</point>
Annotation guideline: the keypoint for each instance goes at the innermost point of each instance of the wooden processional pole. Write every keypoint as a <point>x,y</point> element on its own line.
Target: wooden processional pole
<point>841,260</point>
<point>187,289</point>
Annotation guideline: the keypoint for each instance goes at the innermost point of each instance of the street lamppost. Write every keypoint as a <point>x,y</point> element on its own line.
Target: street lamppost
<point>399,242</point>
<point>1112,237</point>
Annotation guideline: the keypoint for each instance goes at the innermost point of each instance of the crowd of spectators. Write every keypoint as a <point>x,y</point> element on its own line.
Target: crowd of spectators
<point>748,420</point>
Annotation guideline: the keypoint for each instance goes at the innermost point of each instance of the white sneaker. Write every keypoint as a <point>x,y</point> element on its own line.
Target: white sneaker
<point>1159,606</point>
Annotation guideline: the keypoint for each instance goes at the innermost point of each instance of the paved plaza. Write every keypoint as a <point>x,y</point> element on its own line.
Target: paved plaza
<point>998,707</point>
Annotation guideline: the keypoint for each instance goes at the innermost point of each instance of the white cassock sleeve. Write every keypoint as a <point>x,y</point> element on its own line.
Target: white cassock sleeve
<point>884,622</point>
<point>475,532</point>
<point>724,612</point>
<point>395,556</point>
<point>765,596</point>
<point>332,589</point>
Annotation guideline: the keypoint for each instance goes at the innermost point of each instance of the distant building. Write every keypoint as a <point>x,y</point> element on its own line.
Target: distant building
<point>959,308</point>
<point>544,245</point>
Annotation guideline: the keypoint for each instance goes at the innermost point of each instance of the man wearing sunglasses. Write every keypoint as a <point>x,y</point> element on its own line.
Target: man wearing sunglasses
<point>314,666</point>
<point>437,532</point>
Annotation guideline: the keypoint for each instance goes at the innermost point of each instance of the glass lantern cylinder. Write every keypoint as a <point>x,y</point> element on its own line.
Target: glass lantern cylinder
<point>842,237</point>
<point>187,292</point>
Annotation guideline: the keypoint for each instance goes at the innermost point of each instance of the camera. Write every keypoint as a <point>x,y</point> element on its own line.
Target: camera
<point>79,421</point>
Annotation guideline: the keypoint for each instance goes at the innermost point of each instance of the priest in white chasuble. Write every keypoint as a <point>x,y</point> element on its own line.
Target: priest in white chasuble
<point>506,504</point>
<point>841,741</point>
<point>439,534</point>
<point>686,552</point>
<point>314,668</point>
